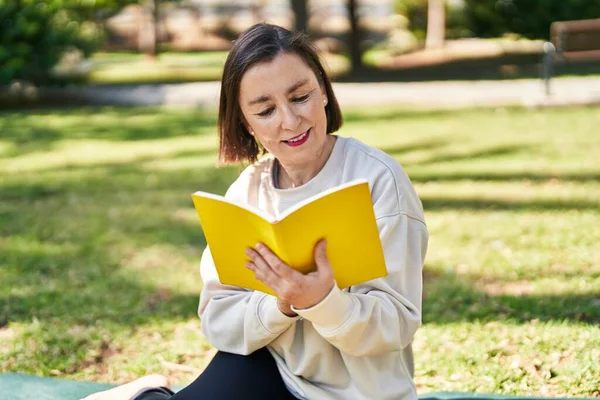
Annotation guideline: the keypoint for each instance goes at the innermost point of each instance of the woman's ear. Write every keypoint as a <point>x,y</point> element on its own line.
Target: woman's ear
<point>247,126</point>
<point>324,94</point>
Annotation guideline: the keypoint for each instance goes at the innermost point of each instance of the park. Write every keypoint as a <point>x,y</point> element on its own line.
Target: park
<point>100,243</point>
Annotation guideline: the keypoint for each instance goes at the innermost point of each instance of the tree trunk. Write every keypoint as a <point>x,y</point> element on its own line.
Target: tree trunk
<point>436,24</point>
<point>355,38</point>
<point>300,9</point>
<point>148,37</point>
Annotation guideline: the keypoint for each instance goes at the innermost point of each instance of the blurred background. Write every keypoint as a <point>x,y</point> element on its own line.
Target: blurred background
<point>108,124</point>
<point>138,41</point>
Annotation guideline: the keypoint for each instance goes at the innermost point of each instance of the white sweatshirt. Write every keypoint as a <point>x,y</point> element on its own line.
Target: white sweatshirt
<point>356,343</point>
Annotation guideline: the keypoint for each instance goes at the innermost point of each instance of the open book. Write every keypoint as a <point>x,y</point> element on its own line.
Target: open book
<point>343,216</point>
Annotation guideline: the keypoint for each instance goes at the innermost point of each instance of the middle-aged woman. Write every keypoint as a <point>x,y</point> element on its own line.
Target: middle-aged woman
<point>312,340</point>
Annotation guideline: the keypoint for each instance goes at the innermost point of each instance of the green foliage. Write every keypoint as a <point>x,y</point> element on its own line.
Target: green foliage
<point>493,18</point>
<point>97,9</point>
<point>416,12</point>
<point>35,35</point>
<point>529,18</point>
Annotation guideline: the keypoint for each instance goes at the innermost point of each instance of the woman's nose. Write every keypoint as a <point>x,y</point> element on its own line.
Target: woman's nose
<point>290,120</point>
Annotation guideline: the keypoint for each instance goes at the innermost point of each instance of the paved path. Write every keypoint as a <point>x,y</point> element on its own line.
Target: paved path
<point>439,94</point>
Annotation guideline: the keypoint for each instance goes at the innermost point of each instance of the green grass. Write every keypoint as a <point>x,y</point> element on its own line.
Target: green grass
<point>132,68</point>
<point>100,245</point>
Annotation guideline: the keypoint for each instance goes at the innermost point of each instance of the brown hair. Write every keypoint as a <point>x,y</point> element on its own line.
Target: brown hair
<point>259,44</point>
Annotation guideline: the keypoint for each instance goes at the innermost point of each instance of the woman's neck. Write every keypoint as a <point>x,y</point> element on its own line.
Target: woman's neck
<point>296,175</point>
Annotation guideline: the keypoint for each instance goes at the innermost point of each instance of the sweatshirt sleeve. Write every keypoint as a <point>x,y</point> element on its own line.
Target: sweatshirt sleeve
<point>237,320</point>
<point>381,315</point>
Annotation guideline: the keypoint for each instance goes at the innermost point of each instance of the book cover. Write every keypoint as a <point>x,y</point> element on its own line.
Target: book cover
<point>343,216</point>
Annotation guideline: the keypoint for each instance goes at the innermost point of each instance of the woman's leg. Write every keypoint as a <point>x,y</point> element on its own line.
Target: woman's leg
<point>228,376</point>
<point>232,377</point>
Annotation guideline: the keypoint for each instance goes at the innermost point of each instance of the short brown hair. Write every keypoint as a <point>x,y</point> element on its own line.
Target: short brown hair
<point>259,44</point>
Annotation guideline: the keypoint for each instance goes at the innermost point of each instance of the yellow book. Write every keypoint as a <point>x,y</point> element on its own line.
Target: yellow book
<point>343,216</point>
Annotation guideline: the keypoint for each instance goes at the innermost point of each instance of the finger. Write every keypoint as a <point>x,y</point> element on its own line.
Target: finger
<point>257,259</point>
<point>323,265</point>
<point>261,266</point>
<point>278,266</point>
<point>257,273</point>
<point>262,275</point>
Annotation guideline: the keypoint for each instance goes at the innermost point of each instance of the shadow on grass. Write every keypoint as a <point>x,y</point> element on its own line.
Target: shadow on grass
<point>451,298</point>
<point>77,242</point>
<point>439,203</point>
<point>63,233</point>
<point>501,176</point>
<point>388,114</point>
<point>484,153</point>
<point>428,144</point>
<point>99,170</point>
<point>66,241</point>
<point>88,254</point>
<point>62,259</point>
<point>40,130</point>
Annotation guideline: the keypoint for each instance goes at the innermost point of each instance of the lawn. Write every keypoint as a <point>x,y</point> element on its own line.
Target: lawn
<point>134,68</point>
<point>100,245</point>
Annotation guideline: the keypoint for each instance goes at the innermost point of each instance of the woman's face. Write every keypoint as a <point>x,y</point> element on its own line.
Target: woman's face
<point>284,108</point>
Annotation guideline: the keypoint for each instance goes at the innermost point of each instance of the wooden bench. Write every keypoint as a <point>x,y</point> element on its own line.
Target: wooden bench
<point>571,42</point>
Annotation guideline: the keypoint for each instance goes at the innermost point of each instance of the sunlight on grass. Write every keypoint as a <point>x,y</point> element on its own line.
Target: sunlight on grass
<point>100,244</point>
<point>74,153</point>
<point>201,161</point>
<point>117,68</point>
<point>534,358</point>
<point>535,193</point>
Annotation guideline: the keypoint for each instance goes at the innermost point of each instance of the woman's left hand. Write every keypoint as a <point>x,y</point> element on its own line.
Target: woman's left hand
<point>290,286</point>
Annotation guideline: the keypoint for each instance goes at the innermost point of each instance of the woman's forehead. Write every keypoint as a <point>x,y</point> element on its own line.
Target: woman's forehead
<point>280,75</point>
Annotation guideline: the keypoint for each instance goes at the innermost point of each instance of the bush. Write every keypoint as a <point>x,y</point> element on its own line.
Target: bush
<point>495,18</point>
<point>529,18</point>
<point>35,35</point>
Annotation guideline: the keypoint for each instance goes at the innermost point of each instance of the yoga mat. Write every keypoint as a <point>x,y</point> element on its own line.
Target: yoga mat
<point>29,387</point>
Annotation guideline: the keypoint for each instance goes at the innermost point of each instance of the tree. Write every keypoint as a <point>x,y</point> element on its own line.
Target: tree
<point>436,24</point>
<point>148,35</point>
<point>100,10</point>
<point>96,10</point>
<point>35,36</point>
<point>300,9</point>
<point>355,38</point>
<point>529,18</point>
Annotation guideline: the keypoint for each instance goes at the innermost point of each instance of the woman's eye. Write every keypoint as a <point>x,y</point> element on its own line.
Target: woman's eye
<point>300,99</point>
<point>266,113</point>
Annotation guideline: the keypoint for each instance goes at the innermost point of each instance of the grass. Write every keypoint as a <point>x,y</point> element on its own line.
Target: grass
<point>99,243</point>
<point>133,68</point>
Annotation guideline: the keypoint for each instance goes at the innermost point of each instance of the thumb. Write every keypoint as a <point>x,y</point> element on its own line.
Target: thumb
<point>321,257</point>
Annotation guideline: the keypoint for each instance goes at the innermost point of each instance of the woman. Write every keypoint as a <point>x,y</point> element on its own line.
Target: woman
<point>313,340</point>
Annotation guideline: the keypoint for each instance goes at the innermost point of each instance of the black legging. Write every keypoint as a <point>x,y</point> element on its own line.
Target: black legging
<point>231,376</point>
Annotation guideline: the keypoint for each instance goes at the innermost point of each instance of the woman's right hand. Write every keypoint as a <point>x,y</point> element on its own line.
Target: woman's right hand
<point>290,286</point>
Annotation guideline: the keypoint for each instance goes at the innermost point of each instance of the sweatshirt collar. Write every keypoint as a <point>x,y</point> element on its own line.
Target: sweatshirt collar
<point>318,183</point>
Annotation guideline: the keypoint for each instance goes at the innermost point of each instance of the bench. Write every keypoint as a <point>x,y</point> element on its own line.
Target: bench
<point>571,42</point>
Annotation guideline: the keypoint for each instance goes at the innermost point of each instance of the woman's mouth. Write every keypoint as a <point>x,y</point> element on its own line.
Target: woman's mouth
<point>298,140</point>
